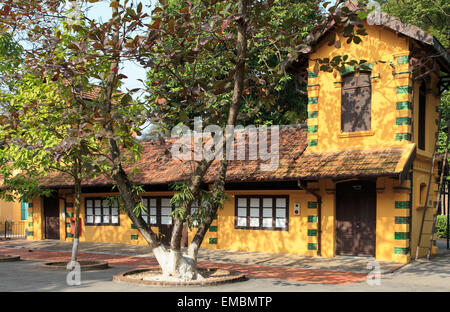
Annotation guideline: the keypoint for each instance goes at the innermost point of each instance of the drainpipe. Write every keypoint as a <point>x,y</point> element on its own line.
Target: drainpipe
<point>319,215</point>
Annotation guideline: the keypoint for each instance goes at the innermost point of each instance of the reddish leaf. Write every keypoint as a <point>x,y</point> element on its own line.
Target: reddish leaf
<point>156,24</point>
<point>161,101</point>
<point>316,68</point>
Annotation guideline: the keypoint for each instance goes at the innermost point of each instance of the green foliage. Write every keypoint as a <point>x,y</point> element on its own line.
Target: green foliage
<point>441,226</point>
<point>192,72</point>
<point>10,54</point>
<point>430,15</point>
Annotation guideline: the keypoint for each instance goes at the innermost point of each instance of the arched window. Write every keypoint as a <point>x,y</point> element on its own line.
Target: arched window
<point>422,116</point>
<point>356,102</point>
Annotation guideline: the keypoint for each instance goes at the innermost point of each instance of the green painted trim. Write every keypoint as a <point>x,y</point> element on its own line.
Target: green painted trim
<point>312,232</point>
<point>312,219</point>
<point>313,114</point>
<point>313,100</point>
<point>313,129</point>
<point>401,73</point>
<point>402,59</point>
<point>134,237</point>
<point>437,122</point>
<point>312,75</point>
<point>30,205</point>
<point>213,228</point>
<point>403,136</point>
<point>401,250</point>
<point>133,226</point>
<point>68,224</point>
<point>401,235</point>
<point>213,241</point>
<point>215,217</point>
<point>312,204</point>
<point>30,233</point>
<point>69,235</point>
<point>404,105</point>
<point>404,89</point>
<point>349,69</point>
<point>69,214</point>
<point>30,224</point>
<point>30,214</point>
<point>401,220</point>
<point>403,121</point>
<point>312,143</point>
<point>402,204</point>
<point>313,85</point>
<point>312,246</point>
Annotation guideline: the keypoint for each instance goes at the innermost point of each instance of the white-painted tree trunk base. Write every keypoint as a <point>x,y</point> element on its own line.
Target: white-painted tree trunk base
<point>75,249</point>
<point>176,265</point>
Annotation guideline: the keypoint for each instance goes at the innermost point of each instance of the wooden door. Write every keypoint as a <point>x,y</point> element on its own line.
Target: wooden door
<point>356,218</point>
<point>51,216</point>
<point>166,222</point>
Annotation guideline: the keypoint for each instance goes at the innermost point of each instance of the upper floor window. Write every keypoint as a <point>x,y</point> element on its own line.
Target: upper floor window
<point>422,116</point>
<point>356,102</point>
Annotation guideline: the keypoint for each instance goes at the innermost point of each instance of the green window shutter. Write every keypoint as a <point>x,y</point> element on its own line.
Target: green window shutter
<point>24,215</point>
<point>402,204</point>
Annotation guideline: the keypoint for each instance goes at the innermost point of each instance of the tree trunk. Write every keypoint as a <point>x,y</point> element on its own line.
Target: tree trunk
<point>77,202</point>
<point>218,188</point>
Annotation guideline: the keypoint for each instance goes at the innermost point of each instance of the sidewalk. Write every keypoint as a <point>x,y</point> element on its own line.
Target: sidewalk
<point>339,270</point>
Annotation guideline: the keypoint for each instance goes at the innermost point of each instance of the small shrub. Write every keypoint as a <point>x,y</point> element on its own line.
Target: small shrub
<point>441,226</point>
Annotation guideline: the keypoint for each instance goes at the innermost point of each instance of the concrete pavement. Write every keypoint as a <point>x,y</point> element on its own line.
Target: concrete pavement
<point>24,276</point>
<point>341,264</point>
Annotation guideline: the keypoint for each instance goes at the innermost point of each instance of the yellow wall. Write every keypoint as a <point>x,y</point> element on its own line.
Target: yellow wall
<point>295,241</point>
<point>10,211</point>
<point>397,217</point>
<point>379,45</point>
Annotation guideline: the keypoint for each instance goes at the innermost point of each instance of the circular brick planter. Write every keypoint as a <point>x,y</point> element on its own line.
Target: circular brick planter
<point>86,265</point>
<point>9,258</point>
<point>213,276</point>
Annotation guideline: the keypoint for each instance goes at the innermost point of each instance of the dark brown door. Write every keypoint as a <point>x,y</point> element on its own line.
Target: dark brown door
<point>166,222</point>
<point>356,218</point>
<point>51,215</point>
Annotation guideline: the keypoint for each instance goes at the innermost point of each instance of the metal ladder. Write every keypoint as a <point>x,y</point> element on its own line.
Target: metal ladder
<point>439,193</point>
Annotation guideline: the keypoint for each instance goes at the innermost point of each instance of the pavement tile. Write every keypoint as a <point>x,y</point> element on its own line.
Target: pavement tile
<point>252,271</point>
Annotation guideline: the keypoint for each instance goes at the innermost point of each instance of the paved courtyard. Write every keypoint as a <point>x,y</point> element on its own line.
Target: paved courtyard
<point>265,272</point>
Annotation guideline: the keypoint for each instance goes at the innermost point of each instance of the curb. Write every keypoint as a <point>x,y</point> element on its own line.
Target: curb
<point>122,277</point>
<point>85,265</point>
<point>9,258</point>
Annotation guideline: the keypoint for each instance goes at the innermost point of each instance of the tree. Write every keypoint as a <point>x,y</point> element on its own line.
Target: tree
<point>432,16</point>
<point>201,67</point>
<point>176,37</point>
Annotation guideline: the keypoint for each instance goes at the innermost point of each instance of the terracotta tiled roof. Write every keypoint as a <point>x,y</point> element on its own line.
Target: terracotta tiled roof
<point>156,165</point>
<point>92,94</point>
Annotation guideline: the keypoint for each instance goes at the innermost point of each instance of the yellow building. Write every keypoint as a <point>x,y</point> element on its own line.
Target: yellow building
<point>13,211</point>
<point>352,181</point>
